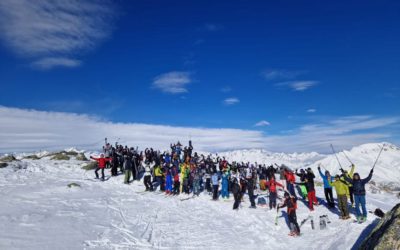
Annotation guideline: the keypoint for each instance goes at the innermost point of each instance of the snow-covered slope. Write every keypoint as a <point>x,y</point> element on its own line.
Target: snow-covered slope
<point>39,211</point>
<point>387,169</point>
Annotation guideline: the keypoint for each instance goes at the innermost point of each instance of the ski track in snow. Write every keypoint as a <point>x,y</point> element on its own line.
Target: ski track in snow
<point>39,211</point>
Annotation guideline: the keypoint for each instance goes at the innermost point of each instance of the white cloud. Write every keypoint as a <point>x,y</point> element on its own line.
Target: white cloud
<point>297,85</point>
<point>311,110</point>
<point>172,82</point>
<point>29,130</point>
<point>231,101</point>
<point>279,74</point>
<point>57,29</point>
<point>262,123</point>
<point>51,62</point>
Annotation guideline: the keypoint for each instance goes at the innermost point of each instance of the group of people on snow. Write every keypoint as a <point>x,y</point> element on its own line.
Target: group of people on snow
<point>182,171</point>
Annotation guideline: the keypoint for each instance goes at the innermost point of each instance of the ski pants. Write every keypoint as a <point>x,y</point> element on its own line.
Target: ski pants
<point>147,183</point>
<point>238,197</point>
<point>272,199</point>
<point>290,188</point>
<point>360,200</point>
<point>329,197</point>
<point>311,199</point>
<point>208,185</point>
<point>196,187</point>
<point>250,191</point>
<point>102,172</point>
<point>128,174</point>
<point>224,190</point>
<point>215,192</point>
<point>168,184</point>
<point>294,226</point>
<point>177,185</point>
<point>303,191</point>
<point>351,194</point>
<point>114,169</point>
<point>342,204</point>
<point>157,182</point>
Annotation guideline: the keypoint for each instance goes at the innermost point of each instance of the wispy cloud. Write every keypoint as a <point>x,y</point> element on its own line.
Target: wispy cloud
<point>226,89</point>
<point>23,130</point>
<point>231,101</point>
<point>297,85</point>
<point>51,32</point>
<point>51,62</point>
<point>311,110</point>
<point>213,27</point>
<point>281,74</point>
<point>262,123</point>
<point>173,82</point>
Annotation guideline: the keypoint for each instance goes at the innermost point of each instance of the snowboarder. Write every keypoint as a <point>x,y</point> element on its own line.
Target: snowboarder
<point>341,192</point>
<point>327,187</point>
<point>127,167</point>
<point>291,204</point>
<point>236,190</point>
<point>303,189</point>
<point>102,161</point>
<point>359,194</point>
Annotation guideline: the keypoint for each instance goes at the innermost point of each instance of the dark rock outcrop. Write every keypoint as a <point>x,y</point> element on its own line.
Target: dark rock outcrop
<point>386,235</point>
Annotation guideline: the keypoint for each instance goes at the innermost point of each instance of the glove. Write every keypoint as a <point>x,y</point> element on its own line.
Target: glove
<point>319,168</point>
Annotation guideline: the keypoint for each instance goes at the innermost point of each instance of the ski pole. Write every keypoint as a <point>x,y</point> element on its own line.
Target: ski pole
<point>337,158</point>
<point>348,158</point>
<point>378,156</point>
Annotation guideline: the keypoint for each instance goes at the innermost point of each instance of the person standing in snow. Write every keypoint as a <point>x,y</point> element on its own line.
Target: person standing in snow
<point>215,183</point>
<point>309,184</point>
<point>168,182</point>
<point>341,193</point>
<point>147,176</point>
<point>290,180</point>
<point>359,194</point>
<point>350,191</point>
<point>327,178</point>
<point>127,167</point>
<point>225,184</point>
<point>272,184</point>
<point>236,190</point>
<point>250,186</point>
<point>303,189</point>
<point>291,204</point>
<point>101,164</point>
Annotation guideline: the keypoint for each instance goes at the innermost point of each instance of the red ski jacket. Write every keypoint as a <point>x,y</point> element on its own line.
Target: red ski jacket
<point>290,177</point>
<point>272,185</point>
<point>102,161</point>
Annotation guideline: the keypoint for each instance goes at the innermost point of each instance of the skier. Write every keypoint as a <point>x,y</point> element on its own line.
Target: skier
<point>291,204</point>
<point>271,184</point>
<point>127,167</point>
<point>215,183</point>
<point>309,184</point>
<point>290,180</point>
<point>349,174</point>
<point>359,194</point>
<point>102,161</point>
<point>236,190</point>
<point>303,190</point>
<point>157,177</point>
<point>225,184</point>
<point>168,182</point>
<point>327,178</point>
<point>250,187</point>
<point>147,176</point>
<point>341,193</point>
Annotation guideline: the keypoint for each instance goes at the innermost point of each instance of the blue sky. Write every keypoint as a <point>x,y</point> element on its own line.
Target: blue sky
<point>277,67</point>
